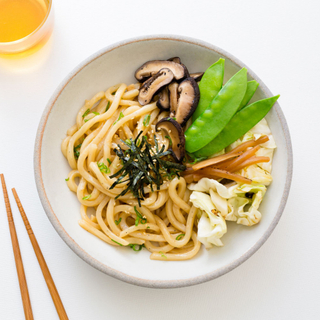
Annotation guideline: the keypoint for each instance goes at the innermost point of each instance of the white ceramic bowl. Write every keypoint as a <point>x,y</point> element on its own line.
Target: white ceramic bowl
<point>107,67</point>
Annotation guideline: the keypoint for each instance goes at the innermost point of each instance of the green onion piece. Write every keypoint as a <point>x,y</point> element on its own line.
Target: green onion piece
<point>67,179</point>
<point>162,254</point>
<point>121,115</point>
<point>140,218</point>
<point>86,113</point>
<point>117,221</point>
<point>138,142</point>
<point>103,168</point>
<point>113,93</point>
<point>137,212</point>
<point>133,247</point>
<point>146,120</point>
<point>128,142</point>
<point>170,141</point>
<point>117,242</point>
<point>86,120</point>
<point>109,160</point>
<point>76,150</point>
<point>87,197</point>
<point>174,118</point>
<point>180,236</point>
<point>107,107</point>
<point>96,113</point>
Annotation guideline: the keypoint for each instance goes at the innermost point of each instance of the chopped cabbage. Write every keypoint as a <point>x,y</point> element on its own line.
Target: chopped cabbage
<point>257,174</point>
<point>238,203</point>
<point>206,184</point>
<point>211,226</point>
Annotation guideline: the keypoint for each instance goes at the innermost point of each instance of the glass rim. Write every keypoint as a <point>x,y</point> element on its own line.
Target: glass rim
<point>9,43</point>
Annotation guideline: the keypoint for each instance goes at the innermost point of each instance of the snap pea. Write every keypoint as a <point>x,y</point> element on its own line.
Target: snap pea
<point>209,86</point>
<point>216,116</point>
<point>240,124</point>
<point>251,89</point>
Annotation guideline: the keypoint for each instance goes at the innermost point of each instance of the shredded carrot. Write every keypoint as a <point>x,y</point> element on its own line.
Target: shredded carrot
<point>246,155</point>
<point>251,161</point>
<point>188,178</point>
<point>248,144</point>
<point>224,174</point>
<point>214,160</point>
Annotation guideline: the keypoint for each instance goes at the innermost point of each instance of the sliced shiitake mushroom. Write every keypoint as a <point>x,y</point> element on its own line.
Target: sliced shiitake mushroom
<point>197,76</point>
<point>175,59</point>
<point>178,60</point>
<point>189,96</point>
<point>153,84</point>
<point>164,101</point>
<point>173,96</point>
<point>175,132</point>
<point>150,68</point>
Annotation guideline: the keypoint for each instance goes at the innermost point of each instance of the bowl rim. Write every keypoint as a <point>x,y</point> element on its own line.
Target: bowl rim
<point>111,271</point>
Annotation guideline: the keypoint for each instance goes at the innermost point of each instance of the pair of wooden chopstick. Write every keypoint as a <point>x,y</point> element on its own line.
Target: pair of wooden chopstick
<point>18,259</point>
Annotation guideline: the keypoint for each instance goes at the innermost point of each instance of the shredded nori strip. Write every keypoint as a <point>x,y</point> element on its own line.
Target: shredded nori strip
<point>144,167</point>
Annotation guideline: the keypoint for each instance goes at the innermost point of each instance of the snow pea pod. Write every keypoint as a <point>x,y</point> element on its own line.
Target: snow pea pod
<point>209,86</point>
<point>216,116</point>
<point>239,125</point>
<point>251,89</point>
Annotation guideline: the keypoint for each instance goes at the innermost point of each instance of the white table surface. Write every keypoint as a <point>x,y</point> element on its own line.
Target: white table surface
<point>279,41</point>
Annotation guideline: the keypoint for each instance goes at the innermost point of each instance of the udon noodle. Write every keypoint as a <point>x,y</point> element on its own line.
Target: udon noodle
<point>169,232</point>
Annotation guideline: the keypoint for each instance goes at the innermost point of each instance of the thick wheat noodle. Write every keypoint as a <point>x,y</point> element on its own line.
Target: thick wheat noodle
<point>174,195</point>
<point>179,256</point>
<point>149,226</point>
<point>171,217</point>
<point>187,234</point>
<point>153,248</point>
<point>84,216</point>
<point>164,215</point>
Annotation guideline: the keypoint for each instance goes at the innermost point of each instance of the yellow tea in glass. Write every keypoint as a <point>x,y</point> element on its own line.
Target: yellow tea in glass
<point>24,24</point>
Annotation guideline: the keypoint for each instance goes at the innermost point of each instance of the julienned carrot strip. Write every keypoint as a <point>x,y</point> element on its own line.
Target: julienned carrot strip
<point>250,143</point>
<point>234,153</point>
<point>224,164</point>
<point>251,161</point>
<point>188,178</point>
<point>199,176</point>
<point>224,174</point>
<point>243,146</point>
<point>215,160</point>
<point>246,155</point>
<point>188,171</point>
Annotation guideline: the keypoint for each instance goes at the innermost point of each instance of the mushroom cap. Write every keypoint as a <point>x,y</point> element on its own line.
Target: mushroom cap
<point>152,67</point>
<point>164,101</point>
<point>188,100</point>
<point>153,84</point>
<point>176,134</point>
<point>178,60</point>
<point>175,59</point>
<point>197,76</point>
<point>173,94</point>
